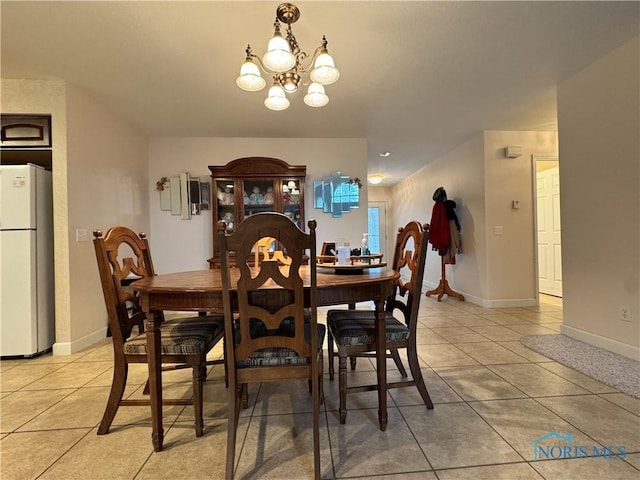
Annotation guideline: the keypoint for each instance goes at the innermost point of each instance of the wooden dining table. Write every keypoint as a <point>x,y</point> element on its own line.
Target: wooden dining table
<point>202,291</point>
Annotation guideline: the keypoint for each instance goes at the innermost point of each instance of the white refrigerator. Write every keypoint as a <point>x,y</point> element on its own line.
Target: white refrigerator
<point>26,261</point>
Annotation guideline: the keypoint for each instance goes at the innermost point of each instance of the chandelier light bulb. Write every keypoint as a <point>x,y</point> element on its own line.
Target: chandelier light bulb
<point>324,71</point>
<point>315,96</point>
<point>278,57</point>
<point>276,100</point>
<point>250,78</point>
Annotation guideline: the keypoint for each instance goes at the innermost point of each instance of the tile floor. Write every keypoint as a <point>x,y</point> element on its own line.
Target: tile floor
<point>493,398</point>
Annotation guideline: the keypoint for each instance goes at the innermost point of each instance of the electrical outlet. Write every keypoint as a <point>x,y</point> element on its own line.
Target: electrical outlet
<point>625,314</point>
<point>82,235</point>
<point>498,230</point>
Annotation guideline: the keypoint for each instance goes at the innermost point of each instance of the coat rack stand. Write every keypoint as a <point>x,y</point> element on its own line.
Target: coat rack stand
<point>443,287</point>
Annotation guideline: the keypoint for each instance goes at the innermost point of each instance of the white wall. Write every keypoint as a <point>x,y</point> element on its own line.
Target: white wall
<point>599,128</point>
<point>99,180</point>
<point>461,173</point>
<point>493,271</point>
<point>179,245</point>
<point>107,176</point>
<point>511,257</point>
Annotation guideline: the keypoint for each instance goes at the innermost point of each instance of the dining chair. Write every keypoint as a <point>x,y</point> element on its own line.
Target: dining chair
<point>184,342</point>
<point>353,331</point>
<point>275,335</point>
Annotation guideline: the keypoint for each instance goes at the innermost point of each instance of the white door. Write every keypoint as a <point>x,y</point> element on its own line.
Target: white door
<point>549,235</point>
<point>377,220</point>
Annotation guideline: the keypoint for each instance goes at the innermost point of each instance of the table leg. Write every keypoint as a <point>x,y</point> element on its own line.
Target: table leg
<point>155,380</point>
<point>381,363</point>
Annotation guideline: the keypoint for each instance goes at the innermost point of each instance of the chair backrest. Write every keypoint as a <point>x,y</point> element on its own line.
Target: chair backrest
<point>270,294</point>
<point>410,254</point>
<point>122,256</point>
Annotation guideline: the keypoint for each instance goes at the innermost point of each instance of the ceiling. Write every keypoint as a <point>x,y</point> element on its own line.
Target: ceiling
<point>417,78</point>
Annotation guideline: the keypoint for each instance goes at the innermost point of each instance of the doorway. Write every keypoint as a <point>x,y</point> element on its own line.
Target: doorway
<point>547,218</point>
<point>377,227</point>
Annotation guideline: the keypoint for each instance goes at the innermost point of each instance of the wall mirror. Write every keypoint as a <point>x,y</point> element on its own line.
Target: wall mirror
<point>336,194</point>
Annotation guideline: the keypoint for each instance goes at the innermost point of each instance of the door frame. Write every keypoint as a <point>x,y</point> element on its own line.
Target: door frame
<point>534,159</point>
<point>384,234</point>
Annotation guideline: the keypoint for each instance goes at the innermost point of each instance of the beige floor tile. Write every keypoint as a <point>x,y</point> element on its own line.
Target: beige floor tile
<point>438,390</point>
<point>477,383</point>
<point>532,329</point>
<point>283,398</point>
<point>424,475</point>
<point>490,353</point>
<point>504,319</point>
<point>585,469</point>
<point>20,407</point>
<point>497,333</point>
<point>103,353</point>
<point>513,471</point>
<point>521,422</point>
<point>525,352</point>
<point>24,374</point>
<point>453,435</point>
<point>185,456</point>
<point>605,423</point>
<point>578,378</point>
<point>471,320</point>
<point>438,321</point>
<point>537,317</point>
<point>536,381</point>
<point>72,375</point>
<point>458,334</point>
<point>27,455</point>
<point>279,446</point>
<point>426,336</point>
<point>93,456</point>
<point>359,448</point>
<point>634,459</point>
<point>445,355</point>
<point>623,400</point>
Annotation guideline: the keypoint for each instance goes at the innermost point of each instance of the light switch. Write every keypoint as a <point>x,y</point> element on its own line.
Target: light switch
<point>498,230</point>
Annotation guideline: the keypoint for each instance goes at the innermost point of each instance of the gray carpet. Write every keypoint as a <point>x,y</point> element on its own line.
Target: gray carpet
<point>610,368</point>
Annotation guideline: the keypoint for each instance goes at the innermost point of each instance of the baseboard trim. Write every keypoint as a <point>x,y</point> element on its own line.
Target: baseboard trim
<point>609,344</point>
<point>68,348</point>
<point>483,302</point>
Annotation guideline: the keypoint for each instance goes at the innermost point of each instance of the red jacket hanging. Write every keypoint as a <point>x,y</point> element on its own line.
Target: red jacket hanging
<point>439,233</point>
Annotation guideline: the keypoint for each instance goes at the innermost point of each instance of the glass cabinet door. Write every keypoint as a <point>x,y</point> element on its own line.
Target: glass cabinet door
<point>291,201</point>
<point>224,191</point>
<point>258,196</point>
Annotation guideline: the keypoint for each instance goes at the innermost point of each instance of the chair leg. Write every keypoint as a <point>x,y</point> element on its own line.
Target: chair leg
<point>317,395</point>
<point>245,395</point>
<point>342,376</point>
<point>352,360</point>
<point>120,373</point>
<point>330,352</point>
<point>199,374</point>
<point>235,394</point>
<point>396,358</point>
<point>414,366</point>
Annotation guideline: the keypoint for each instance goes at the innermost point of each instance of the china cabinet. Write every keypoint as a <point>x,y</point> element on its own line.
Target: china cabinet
<point>250,185</point>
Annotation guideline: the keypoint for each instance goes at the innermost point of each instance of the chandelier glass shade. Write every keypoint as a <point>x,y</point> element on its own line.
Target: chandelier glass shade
<point>283,61</point>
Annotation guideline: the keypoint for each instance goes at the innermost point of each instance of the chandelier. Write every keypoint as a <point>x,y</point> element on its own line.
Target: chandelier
<point>284,62</point>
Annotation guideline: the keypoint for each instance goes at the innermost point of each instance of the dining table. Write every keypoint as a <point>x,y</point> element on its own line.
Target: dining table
<point>201,291</point>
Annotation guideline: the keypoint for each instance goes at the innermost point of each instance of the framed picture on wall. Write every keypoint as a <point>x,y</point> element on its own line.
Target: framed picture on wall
<point>205,195</point>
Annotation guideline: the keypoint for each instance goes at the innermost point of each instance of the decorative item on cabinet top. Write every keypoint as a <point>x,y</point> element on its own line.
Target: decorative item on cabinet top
<point>184,195</point>
<point>336,194</point>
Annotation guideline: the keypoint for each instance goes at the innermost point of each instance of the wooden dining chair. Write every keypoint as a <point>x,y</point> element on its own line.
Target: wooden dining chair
<point>184,342</point>
<point>353,331</point>
<point>276,336</point>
